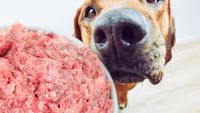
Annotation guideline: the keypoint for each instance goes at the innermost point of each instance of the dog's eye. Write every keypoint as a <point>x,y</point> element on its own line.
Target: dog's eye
<point>153,1</point>
<point>90,12</point>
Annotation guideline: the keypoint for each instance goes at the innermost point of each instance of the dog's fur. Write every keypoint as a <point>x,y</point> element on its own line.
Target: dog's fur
<point>159,16</point>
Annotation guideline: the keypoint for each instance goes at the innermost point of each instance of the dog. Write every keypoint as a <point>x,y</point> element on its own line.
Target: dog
<point>133,38</point>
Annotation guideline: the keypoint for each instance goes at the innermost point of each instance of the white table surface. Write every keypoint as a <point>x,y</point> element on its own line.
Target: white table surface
<point>179,92</point>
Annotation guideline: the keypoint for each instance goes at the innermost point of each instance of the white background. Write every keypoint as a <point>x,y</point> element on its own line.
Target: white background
<point>187,15</point>
<point>57,15</point>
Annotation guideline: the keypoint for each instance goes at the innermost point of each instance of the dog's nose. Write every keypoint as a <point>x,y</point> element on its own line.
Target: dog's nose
<point>122,27</point>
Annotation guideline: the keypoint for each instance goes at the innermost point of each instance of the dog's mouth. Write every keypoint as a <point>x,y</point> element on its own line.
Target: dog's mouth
<point>132,77</point>
<point>127,77</point>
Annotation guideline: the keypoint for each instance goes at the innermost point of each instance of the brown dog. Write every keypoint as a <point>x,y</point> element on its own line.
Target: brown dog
<point>133,38</point>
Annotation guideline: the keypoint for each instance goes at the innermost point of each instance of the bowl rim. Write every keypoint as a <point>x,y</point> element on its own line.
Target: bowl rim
<point>113,92</point>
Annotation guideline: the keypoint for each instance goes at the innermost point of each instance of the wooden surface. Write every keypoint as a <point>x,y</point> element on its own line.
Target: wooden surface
<point>179,92</point>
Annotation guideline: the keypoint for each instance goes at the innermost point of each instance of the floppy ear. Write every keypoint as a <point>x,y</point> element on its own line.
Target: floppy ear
<point>171,40</point>
<point>77,30</point>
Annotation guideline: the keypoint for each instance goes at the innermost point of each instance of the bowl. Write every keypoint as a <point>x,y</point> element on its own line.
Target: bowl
<point>79,44</point>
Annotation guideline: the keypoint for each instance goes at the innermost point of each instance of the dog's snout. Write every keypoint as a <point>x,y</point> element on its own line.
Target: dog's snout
<point>122,27</point>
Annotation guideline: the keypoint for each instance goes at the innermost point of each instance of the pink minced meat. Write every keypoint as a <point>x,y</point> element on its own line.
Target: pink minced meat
<point>44,73</point>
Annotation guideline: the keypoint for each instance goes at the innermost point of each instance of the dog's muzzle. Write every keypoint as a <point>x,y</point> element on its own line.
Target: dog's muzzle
<point>120,37</point>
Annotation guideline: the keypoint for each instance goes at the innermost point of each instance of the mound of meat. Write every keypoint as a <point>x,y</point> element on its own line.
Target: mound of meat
<point>45,73</point>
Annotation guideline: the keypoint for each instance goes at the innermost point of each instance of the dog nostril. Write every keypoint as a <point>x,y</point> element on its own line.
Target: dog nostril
<point>131,35</point>
<point>100,38</point>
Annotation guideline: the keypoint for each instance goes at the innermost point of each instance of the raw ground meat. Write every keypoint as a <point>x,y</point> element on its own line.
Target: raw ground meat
<point>44,73</point>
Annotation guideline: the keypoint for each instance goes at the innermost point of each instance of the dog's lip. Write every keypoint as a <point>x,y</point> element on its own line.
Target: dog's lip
<point>127,77</point>
<point>155,79</point>
<point>131,77</point>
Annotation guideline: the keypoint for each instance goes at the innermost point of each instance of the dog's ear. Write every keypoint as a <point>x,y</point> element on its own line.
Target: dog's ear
<point>171,40</point>
<point>77,30</point>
